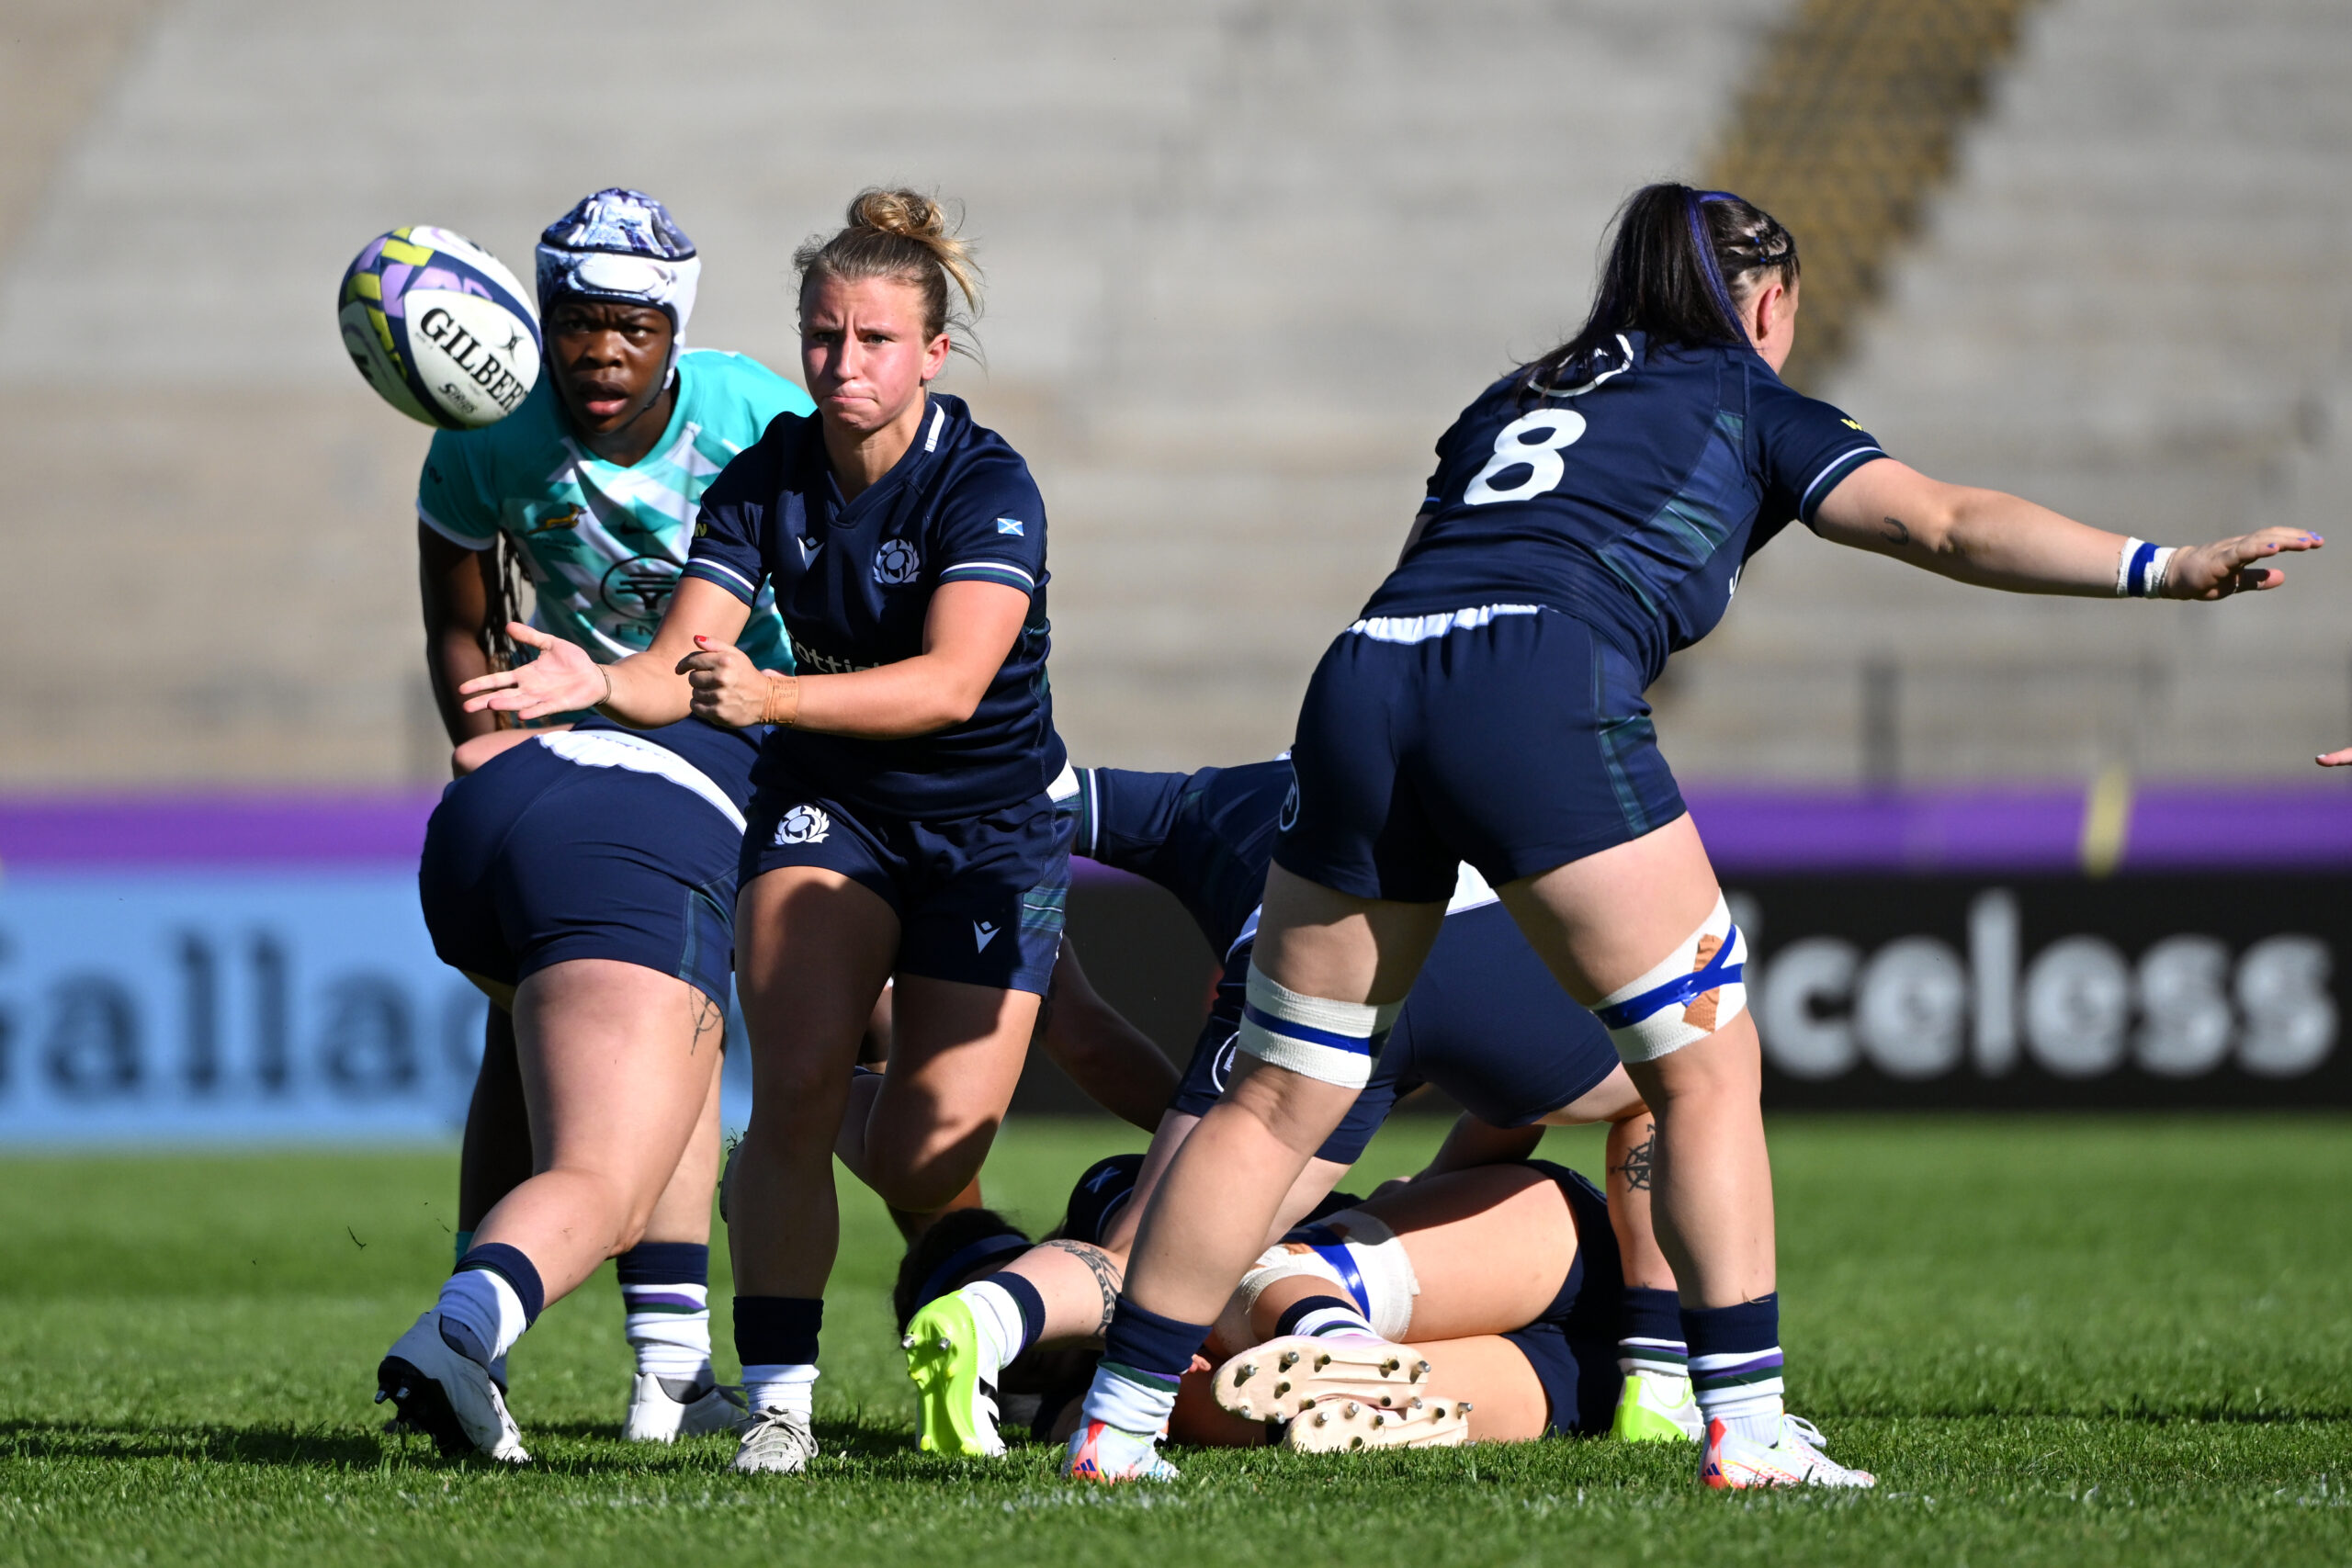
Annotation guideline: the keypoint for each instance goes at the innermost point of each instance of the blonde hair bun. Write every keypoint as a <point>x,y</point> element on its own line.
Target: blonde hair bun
<point>900,235</point>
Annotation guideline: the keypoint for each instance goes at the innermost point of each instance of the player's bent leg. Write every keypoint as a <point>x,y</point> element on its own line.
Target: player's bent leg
<point>956,1059</point>
<point>609,1068</point>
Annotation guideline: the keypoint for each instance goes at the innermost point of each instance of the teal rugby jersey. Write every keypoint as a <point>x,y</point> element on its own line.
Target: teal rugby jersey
<point>604,545</point>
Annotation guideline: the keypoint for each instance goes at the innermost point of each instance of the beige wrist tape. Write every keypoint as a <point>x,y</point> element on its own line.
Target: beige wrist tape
<point>784,699</point>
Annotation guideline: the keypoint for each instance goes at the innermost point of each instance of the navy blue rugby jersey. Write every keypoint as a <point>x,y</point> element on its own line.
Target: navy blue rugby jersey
<point>726,756</point>
<point>1631,501</point>
<point>853,581</point>
<point>1207,837</point>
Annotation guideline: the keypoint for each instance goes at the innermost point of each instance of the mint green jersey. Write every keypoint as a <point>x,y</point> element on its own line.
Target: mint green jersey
<point>604,545</point>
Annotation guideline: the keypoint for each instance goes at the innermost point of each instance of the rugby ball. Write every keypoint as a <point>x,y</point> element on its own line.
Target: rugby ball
<point>439,328</point>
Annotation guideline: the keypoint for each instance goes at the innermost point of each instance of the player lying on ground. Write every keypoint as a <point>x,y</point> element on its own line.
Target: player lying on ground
<point>1589,517</point>
<point>1502,1282</point>
<point>1485,1023</point>
<point>904,824</point>
<point>591,481</point>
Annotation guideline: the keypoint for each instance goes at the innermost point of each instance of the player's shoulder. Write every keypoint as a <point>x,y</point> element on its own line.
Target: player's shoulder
<point>975,448</point>
<point>733,396</point>
<point>532,431</point>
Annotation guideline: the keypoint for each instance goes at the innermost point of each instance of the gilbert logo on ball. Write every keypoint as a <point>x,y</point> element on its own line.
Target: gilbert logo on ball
<point>439,328</point>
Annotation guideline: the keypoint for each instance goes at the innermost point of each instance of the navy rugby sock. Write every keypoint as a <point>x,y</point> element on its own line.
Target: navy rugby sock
<point>485,1306</point>
<point>1008,1311</point>
<point>1145,1357</point>
<point>1320,1316</point>
<point>1736,1365</point>
<point>1649,1335</point>
<point>665,1293</point>
<point>776,1338</point>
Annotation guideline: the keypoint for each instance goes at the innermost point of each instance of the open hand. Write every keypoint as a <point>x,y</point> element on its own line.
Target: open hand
<point>2218,570</point>
<point>562,678</point>
<point>729,689</point>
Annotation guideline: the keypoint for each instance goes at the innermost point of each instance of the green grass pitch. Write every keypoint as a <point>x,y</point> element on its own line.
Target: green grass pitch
<point>2071,1341</point>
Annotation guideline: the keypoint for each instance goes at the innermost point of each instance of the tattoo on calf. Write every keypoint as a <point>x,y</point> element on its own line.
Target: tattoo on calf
<point>1107,1278</point>
<point>1895,532</point>
<point>1641,1161</point>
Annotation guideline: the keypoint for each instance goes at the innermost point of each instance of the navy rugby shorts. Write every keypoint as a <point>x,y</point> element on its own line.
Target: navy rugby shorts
<point>1109,1185</point>
<point>534,860</point>
<point>1573,1346</point>
<point>1511,737</point>
<point>979,900</point>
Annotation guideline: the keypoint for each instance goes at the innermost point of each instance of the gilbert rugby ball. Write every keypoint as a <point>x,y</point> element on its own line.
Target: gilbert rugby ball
<point>439,328</point>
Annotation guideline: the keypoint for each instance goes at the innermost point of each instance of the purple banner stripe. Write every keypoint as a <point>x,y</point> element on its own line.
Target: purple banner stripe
<point>2016,830</point>
<point>639,1300</point>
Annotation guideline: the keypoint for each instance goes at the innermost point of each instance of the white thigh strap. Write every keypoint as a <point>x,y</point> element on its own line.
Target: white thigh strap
<point>1690,994</point>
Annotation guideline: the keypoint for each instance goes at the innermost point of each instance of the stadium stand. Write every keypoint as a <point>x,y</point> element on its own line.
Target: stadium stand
<point>1247,260</point>
<point>2127,305</point>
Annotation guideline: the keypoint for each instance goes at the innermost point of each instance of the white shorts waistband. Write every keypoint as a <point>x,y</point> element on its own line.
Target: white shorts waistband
<point>1421,628</point>
<point>607,748</point>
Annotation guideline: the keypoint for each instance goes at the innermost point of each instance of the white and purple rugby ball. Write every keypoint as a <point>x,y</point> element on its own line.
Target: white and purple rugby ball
<point>439,328</point>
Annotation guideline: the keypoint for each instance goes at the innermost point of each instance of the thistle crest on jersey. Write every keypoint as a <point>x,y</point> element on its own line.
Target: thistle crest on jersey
<point>438,327</point>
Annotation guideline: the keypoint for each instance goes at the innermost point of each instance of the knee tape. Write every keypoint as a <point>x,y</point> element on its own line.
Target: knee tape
<point>1354,1251</point>
<point>1333,1043</point>
<point>1694,991</point>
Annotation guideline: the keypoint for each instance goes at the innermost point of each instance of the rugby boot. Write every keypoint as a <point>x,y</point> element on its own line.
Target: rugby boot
<point>1100,1452</point>
<point>1281,1378</point>
<point>1654,1409</point>
<point>662,1410</point>
<point>776,1442</point>
<point>1338,1426</point>
<point>1732,1463</point>
<point>954,1371</point>
<point>448,1395</point>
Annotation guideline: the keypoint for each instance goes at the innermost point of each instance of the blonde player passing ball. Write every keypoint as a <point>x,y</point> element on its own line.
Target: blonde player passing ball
<point>1588,517</point>
<point>904,821</point>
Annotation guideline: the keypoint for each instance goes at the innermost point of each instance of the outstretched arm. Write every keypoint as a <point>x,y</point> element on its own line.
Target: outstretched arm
<point>2001,541</point>
<point>645,690</point>
<point>1111,1059</point>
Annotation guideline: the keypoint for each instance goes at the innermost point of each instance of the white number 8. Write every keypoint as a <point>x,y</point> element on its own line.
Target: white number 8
<point>1561,427</point>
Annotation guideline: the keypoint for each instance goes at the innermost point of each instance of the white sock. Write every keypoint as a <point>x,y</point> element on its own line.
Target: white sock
<point>481,1314</point>
<point>998,1317</point>
<point>1335,1323</point>
<point>788,1386</point>
<point>669,1327</point>
<point>1128,1400</point>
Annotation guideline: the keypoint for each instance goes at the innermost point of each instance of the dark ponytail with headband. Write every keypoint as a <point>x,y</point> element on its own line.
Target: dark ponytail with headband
<point>1677,263</point>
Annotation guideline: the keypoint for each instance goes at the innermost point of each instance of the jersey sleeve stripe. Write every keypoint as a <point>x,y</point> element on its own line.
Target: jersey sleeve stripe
<point>725,576</point>
<point>1829,478</point>
<point>991,571</point>
<point>470,541</point>
<point>1089,814</point>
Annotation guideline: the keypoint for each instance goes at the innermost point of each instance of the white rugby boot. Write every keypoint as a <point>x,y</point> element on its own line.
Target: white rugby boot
<point>1340,1426</point>
<point>1282,1378</point>
<point>662,1410</point>
<point>775,1442</point>
<point>448,1395</point>
<point>1099,1451</point>
<point>1732,1463</point>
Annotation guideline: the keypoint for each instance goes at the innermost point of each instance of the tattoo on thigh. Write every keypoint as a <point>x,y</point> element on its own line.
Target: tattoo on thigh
<point>1641,1160</point>
<point>708,1018</point>
<point>1106,1274</point>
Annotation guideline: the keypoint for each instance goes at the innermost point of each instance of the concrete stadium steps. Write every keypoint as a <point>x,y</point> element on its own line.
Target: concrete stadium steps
<point>2129,306</point>
<point>1245,260</point>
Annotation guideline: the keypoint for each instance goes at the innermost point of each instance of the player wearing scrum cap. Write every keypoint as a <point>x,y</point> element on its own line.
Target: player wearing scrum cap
<point>1589,517</point>
<point>591,485</point>
<point>905,821</point>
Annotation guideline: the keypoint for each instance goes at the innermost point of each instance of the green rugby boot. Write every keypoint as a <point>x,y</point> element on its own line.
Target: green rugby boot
<point>953,1367</point>
<point>1654,1409</point>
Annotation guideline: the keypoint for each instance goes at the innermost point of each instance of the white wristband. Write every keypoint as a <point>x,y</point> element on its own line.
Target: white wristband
<point>2140,571</point>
